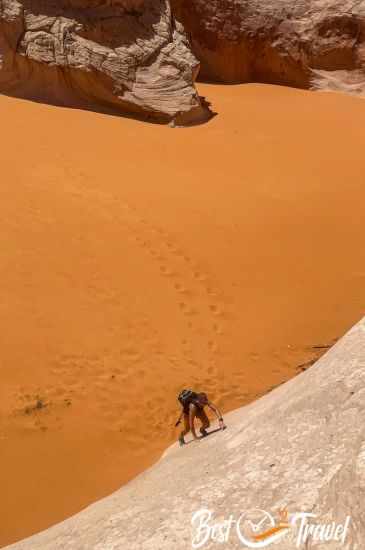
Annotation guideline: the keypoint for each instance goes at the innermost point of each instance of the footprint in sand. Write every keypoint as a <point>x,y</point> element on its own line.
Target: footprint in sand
<point>199,276</point>
<point>214,309</point>
<point>166,271</point>
<point>179,288</point>
<point>186,309</point>
<point>213,346</point>
<point>217,329</point>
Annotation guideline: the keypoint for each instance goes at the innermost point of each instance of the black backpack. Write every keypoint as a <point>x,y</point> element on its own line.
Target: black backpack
<point>186,397</point>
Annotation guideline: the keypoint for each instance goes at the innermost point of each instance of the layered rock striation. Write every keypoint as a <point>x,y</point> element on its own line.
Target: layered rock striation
<point>129,56</point>
<point>307,43</point>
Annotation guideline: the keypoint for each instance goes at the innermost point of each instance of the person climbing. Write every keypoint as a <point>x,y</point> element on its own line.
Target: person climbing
<point>193,406</point>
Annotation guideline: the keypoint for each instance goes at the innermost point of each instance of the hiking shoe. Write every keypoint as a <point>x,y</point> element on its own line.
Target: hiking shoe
<point>181,440</point>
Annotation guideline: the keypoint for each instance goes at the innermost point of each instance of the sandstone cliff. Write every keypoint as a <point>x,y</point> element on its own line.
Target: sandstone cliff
<point>308,43</point>
<point>126,55</point>
<point>302,447</point>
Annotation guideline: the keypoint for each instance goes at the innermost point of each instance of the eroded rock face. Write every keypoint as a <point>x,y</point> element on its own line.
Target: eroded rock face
<point>127,55</point>
<point>299,448</point>
<point>303,43</point>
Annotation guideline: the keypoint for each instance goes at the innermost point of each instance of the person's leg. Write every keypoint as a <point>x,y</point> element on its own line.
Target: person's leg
<point>202,415</point>
<point>186,429</point>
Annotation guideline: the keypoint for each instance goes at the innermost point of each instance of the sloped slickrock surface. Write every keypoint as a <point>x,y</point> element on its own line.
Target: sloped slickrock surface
<point>307,43</point>
<point>129,56</point>
<point>301,447</point>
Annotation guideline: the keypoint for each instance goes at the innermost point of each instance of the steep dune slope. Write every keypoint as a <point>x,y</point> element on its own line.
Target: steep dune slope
<point>137,259</point>
<point>314,464</point>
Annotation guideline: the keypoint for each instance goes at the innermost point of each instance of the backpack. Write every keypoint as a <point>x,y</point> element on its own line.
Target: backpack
<point>186,397</point>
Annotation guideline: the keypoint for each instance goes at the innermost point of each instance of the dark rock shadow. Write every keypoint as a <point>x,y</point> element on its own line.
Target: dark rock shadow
<point>204,436</point>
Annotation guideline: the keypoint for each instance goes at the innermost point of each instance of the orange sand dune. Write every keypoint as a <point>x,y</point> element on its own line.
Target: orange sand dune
<point>136,260</point>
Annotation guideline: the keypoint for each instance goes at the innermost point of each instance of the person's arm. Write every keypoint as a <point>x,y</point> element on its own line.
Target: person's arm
<point>192,414</point>
<point>218,415</point>
<point>179,420</point>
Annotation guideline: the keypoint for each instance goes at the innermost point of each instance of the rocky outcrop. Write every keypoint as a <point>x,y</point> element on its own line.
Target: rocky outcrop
<point>300,448</point>
<point>307,43</point>
<point>133,56</point>
<point>129,56</point>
